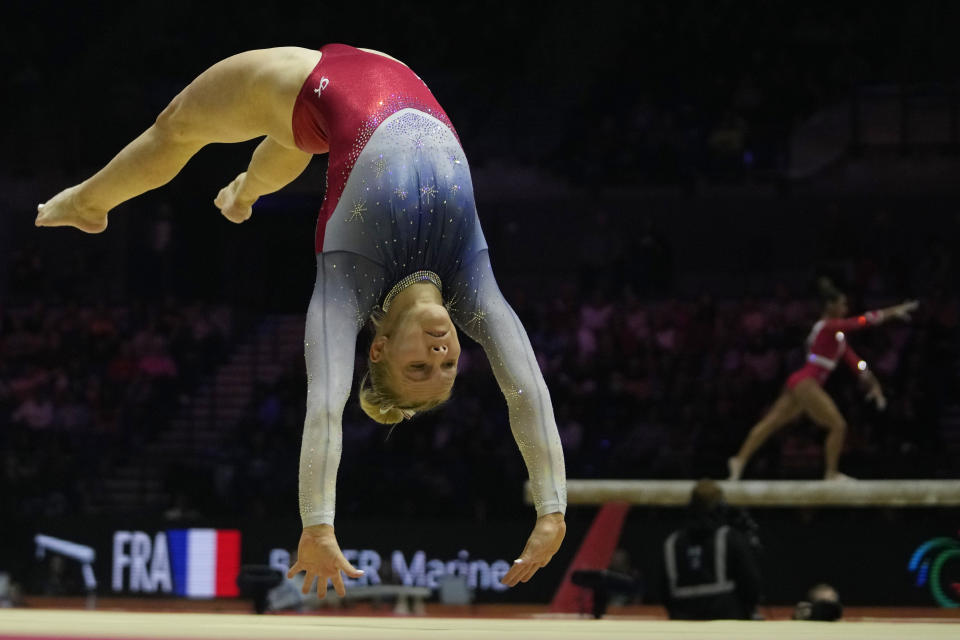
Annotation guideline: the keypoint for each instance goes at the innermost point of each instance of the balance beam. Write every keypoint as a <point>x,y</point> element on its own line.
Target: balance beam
<point>770,493</point>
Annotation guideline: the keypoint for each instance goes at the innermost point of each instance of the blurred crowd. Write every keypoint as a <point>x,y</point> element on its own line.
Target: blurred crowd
<point>85,387</point>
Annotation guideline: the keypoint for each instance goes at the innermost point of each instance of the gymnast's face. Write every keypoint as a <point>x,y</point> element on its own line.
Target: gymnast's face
<point>838,307</point>
<point>421,351</point>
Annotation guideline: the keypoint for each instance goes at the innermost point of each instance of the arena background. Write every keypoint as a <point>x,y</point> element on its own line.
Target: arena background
<point>660,184</point>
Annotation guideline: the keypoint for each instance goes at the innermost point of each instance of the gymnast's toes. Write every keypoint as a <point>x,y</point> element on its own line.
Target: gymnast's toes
<point>62,211</point>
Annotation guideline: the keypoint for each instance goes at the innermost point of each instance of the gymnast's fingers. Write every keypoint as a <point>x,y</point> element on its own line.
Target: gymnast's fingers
<point>308,582</point>
<point>294,570</point>
<point>322,586</point>
<point>512,577</point>
<point>338,584</point>
<point>345,566</point>
<point>908,308</point>
<point>531,569</point>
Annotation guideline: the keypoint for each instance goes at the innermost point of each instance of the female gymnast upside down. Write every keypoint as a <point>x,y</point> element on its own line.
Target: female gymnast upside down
<point>398,241</point>
<point>804,394</point>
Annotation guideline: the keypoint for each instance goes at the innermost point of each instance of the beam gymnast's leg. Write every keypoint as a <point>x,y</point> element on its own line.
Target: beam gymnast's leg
<point>823,410</point>
<point>783,411</point>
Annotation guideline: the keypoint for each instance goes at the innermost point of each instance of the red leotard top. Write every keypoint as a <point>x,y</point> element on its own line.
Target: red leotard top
<point>343,101</point>
<point>827,343</point>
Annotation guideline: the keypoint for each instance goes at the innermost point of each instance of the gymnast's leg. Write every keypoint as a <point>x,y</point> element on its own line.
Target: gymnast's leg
<point>784,410</point>
<point>823,410</point>
<point>243,97</point>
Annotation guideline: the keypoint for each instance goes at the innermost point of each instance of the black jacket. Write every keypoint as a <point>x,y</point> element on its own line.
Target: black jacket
<point>710,573</point>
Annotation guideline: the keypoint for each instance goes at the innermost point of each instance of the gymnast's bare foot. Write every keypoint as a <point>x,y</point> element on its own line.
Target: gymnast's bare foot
<point>836,476</point>
<point>735,467</point>
<point>63,210</point>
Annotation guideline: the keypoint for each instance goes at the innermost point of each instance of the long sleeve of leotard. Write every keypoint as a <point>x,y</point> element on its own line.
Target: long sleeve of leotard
<point>333,322</point>
<point>857,364</point>
<point>481,311</point>
<point>869,319</point>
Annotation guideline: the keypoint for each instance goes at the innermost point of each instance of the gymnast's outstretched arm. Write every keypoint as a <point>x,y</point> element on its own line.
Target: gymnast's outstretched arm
<point>329,347</point>
<point>243,97</point>
<point>487,318</point>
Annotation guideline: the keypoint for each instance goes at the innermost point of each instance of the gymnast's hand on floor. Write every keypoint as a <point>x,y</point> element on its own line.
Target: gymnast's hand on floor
<point>542,544</point>
<point>233,207</point>
<point>319,555</point>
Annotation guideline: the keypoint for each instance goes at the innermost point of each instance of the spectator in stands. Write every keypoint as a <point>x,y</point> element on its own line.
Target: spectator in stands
<point>34,412</point>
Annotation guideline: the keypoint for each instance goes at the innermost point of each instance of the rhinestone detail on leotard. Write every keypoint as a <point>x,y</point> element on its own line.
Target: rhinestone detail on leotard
<point>413,278</point>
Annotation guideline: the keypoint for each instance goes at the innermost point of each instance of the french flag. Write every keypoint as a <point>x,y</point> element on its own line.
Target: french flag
<point>205,562</point>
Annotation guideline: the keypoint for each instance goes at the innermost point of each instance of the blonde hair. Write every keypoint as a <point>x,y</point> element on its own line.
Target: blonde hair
<point>382,404</point>
<point>377,397</point>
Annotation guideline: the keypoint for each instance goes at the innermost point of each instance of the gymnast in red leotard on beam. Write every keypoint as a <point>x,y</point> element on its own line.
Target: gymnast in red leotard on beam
<point>803,393</point>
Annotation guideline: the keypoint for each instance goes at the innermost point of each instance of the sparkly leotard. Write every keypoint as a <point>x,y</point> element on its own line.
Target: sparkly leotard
<point>400,200</point>
<point>826,344</point>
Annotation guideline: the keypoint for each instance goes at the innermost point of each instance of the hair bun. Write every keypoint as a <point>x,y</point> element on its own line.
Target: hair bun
<point>384,414</point>
<point>827,289</point>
